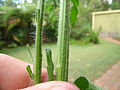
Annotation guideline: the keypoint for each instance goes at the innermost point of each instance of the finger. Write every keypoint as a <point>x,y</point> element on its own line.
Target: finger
<point>53,85</point>
<point>13,73</point>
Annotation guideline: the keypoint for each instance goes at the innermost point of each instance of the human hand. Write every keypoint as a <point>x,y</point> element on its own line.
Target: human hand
<point>13,75</point>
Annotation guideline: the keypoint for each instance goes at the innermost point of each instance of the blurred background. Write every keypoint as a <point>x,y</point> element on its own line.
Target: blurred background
<point>90,54</point>
<point>17,21</point>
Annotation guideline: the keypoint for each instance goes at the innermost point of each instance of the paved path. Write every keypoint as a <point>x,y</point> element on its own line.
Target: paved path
<point>112,40</point>
<point>111,79</point>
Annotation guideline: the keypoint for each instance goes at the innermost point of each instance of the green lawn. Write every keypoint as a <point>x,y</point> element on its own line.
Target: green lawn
<point>89,60</point>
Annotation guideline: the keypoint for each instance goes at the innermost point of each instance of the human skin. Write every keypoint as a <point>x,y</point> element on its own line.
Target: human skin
<point>13,76</point>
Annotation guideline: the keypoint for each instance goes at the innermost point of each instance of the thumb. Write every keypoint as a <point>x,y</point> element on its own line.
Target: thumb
<point>53,85</point>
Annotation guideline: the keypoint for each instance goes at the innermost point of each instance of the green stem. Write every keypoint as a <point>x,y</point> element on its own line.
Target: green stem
<point>63,42</point>
<point>30,72</point>
<point>67,38</point>
<point>50,66</point>
<point>39,24</point>
<point>29,50</point>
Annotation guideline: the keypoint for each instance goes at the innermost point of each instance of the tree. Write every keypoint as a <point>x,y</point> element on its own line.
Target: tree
<point>1,2</point>
<point>115,4</point>
<point>34,1</point>
<point>116,1</point>
<point>83,26</point>
<point>25,1</point>
<point>10,3</point>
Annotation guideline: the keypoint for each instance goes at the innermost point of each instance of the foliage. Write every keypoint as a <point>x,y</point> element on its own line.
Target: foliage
<point>85,34</point>
<point>74,11</point>
<point>82,29</point>
<point>1,2</point>
<point>50,22</point>
<point>2,43</point>
<point>19,22</point>
<point>116,1</point>
<point>94,37</point>
<point>115,6</point>
<point>16,24</point>
<point>84,84</point>
<point>10,3</point>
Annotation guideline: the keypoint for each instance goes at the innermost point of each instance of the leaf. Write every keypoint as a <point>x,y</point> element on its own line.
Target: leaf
<point>84,84</point>
<point>30,71</point>
<point>74,11</point>
<point>73,15</point>
<point>75,2</point>
<point>30,53</point>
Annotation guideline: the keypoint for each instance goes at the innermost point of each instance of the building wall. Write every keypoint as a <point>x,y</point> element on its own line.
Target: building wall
<point>108,22</point>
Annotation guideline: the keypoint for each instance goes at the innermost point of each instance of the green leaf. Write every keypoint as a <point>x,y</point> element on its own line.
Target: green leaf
<point>84,84</point>
<point>30,53</point>
<point>75,2</point>
<point>30,72</point>
<point>73,15</point>
<point>74,11</point>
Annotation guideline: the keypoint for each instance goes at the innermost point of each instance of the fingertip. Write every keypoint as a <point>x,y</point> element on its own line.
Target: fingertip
<point>19,78</point>
<point>44,75</point>
<point>53,85</point>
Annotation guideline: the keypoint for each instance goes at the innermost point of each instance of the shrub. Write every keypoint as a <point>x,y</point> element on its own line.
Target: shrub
<point>51,22</point>
<point>94,37</point>
<point>12,45</point>
<point>16,24</point>
<point>81,32</point>
<point>115,6</point>
<point>2,43</point>
<point>85,34</point>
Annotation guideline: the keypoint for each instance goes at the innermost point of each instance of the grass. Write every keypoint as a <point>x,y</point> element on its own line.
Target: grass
<point>89,60</point>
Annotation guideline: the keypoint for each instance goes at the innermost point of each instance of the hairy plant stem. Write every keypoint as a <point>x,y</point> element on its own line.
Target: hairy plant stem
<point>67,38</point>
<point>63,41</point>
<point>38,43</point>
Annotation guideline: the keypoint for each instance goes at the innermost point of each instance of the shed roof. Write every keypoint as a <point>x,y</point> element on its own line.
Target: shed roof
<point>106,12</point>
